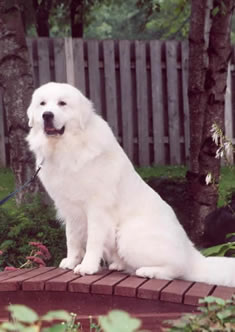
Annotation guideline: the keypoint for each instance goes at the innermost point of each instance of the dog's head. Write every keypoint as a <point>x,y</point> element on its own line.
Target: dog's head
<point>58,107</point>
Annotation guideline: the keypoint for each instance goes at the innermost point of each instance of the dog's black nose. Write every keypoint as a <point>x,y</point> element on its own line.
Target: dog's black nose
<point>47,116</point>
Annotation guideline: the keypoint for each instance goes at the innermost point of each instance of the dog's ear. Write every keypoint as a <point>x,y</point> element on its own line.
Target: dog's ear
<point>30,115</point>
<point>85,110</point>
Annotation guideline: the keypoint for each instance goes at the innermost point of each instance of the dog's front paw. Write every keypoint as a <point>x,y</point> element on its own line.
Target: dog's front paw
<point>69,263</point>
<point>85,269</point>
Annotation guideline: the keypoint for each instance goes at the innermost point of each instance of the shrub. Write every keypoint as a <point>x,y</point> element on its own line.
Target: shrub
<point>34,221</point>
<point>215,314</point>
<point>26,319</point>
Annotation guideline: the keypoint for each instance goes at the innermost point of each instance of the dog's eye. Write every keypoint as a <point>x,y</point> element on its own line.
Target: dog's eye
<point>43,103</point>
<point>61,103</point>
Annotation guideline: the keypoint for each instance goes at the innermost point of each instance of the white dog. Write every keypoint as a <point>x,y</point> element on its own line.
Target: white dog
<point>108,210</point>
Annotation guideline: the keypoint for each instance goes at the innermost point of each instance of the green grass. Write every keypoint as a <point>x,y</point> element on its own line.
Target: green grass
<point>227,184</point>
<point>160,171</point>
<point>227,181</point>
<point>6,186</point>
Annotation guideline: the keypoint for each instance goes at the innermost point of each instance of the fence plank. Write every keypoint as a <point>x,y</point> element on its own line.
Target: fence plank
<point>94,74</point>
<point>68,44</point>
<point>126,97</point>
<point>228,113</point>
<point>173,101</point>
<point>157,101</point>
<point>43,60</point>
<point>79,65</point>
<point>184,65</point>
<point>142,103</point>
<point>228,106</point>
<point>110,85</point>
<point>59,60</point>
<point>2,135</point>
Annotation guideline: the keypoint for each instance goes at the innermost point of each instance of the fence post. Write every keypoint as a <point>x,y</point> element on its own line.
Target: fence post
<point>126,98</point>
<point>157,101</point>
<point>184,68</point>
<point>173,102</point>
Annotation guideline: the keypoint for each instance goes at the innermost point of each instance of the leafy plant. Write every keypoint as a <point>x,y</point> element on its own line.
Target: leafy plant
<point>38,255</point>
<point>117,321</point>
<point>33,222</point>
<point>26,319</point>
<point>220,249</point>
<point>215,315</point>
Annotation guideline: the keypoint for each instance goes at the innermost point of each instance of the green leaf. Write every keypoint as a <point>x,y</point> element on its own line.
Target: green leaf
<point>57,315</point>
<point>56,328</point>
<point>33,328</point>
<point>9,326</point>
<point>229,235</point>
<point>212,299</point>
<point>212,251</point>
<point>117,321</point>
<point>215,11</point>
<point>219,250</point>
<point>23,314</point>
<point>224,314</point>
<point>220,301</point>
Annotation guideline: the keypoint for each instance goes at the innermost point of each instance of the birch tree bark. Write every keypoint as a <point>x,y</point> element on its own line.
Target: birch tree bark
<point>209,54</point>
<point>16,87</point>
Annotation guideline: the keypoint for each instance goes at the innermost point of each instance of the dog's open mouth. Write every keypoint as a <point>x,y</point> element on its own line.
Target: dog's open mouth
<point>52,131</point>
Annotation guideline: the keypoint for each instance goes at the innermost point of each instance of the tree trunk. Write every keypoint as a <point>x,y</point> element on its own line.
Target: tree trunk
<point>16,87</point>
<point>77,18</point>
<point>209,54</point>
<point>42,13</point>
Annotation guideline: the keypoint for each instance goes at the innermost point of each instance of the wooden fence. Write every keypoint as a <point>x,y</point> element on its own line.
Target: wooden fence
<point>139,87</point>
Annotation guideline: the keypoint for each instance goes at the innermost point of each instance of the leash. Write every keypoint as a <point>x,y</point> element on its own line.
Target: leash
<point>27,183</point>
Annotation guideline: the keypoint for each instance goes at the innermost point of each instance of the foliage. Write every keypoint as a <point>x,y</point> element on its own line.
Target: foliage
<point>38,255</point>
<point>117,321</point>
<point>117,19</point>
<point>59,15</point>
<point>139,19</point>
<point>216,314</point>
<point>32,222</point>
<point>26,319</point>
<point>225,146</point>
<point>58,21</point>
<point>221,249</point>
<point>226,185</point>
<point>6,186</point>
<point>133,19</point>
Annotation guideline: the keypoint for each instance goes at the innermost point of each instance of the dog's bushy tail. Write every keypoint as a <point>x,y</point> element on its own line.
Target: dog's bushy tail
<point>211,270</point>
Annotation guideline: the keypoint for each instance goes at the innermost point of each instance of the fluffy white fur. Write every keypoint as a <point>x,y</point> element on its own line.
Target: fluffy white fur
<point>108,210</point>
